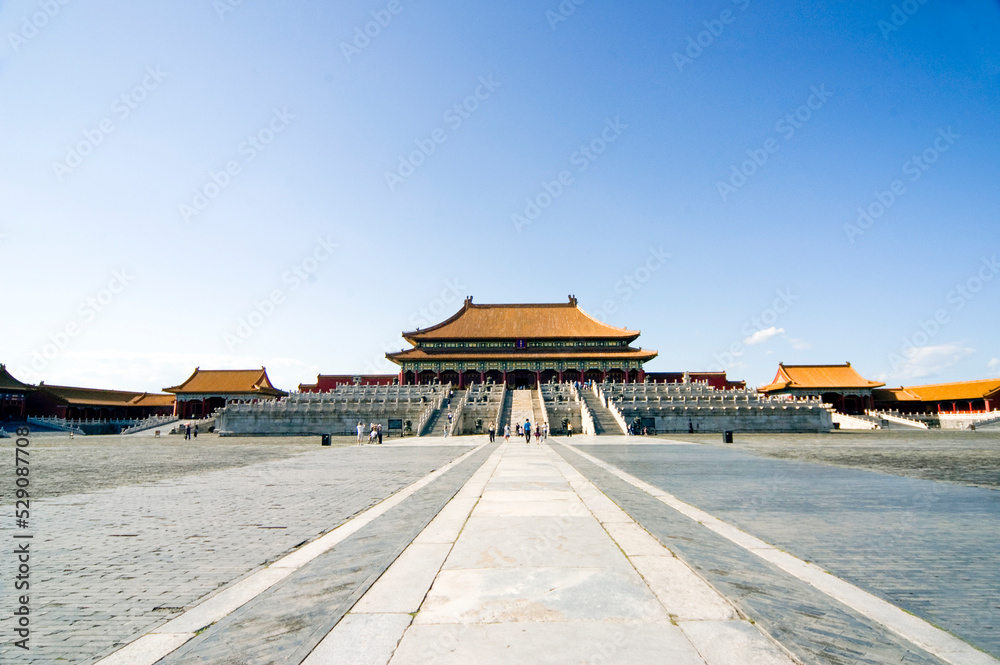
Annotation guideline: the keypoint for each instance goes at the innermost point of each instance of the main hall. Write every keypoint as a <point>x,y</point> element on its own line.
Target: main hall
<point>521,346</point>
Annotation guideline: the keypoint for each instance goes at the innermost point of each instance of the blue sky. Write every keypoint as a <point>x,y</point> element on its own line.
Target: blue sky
<point>241,184</point>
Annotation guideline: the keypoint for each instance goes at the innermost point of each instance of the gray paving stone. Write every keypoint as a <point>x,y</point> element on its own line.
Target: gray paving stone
<point>193,534</point>
<point>932,548</point>
<point>286,622</point>
<point>817,629</point>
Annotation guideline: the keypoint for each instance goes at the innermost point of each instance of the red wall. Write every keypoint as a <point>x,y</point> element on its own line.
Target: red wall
<point>715,379</point>
<point>327,382</point>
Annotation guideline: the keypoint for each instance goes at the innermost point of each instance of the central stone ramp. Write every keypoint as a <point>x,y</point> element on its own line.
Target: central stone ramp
<point>604,422</point>
<point>521,409</point>
<point>545,569</point>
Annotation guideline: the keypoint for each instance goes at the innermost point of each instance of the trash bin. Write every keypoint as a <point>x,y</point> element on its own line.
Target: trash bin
<point>727,437</point>
<point>326,440</point>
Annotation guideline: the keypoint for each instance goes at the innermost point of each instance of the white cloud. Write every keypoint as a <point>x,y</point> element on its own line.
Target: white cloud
<point>927,361</point>
<point>994,364</point>
<point>763,335</point>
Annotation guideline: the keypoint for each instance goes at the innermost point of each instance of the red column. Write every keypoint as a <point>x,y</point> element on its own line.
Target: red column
<point>560,376</point>
<point>538,379</point>
<point>482,377</point>
<point>505,378</point>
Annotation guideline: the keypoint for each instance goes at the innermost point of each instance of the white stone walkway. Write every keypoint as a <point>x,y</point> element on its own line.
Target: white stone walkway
<point>531,564</point>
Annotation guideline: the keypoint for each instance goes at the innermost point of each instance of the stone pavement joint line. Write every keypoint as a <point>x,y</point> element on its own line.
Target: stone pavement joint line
<point>372,630</point>
<point>170,636</point>
<point>925,635</point>
<point>544,568</point>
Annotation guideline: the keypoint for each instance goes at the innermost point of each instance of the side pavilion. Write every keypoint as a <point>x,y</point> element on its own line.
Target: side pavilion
<point>982,396</point>
<point>838,385</point>
<point>13,396</point>
<point>209,389</point>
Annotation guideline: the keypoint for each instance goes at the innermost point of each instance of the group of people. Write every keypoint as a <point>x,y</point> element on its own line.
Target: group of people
<point>541,431</point>
<point>374,433</point>
<point>188,431</point>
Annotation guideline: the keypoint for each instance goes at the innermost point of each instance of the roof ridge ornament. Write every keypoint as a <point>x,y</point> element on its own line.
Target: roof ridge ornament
<point>572,300</point>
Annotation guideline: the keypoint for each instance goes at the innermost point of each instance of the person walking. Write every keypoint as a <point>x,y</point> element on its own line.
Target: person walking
<point>361,429</point>
<point>378,430</point>
<point>195,431</point>
<point>569,429</point>
<point>506,433</point>
<point>538,434</point>
<point>493,431</point>
<point>187,432</point>
<point>527,430</point>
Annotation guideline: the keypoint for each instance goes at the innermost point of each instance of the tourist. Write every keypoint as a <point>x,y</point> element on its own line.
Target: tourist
<point>361,429</point>
<point>569,429</point>
<point>378,431</point>
<point>519,430</point>
<point>371,433</point>
<point>187,431</point>
<point>538,433</point>
<point>506,433</point>
<point>446,428</point>
<point>545,432</point>
<point>492,429</point>
<point>195,431</point>
<point>527,430</point>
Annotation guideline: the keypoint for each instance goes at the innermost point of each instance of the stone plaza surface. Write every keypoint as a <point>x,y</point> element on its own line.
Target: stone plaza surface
<point>454,551</point>
<point>931,548</point>
<point>111,564</point>
<point>966,458</point>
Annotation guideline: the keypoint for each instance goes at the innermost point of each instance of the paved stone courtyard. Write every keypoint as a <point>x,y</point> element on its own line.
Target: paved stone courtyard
<point>966,458</point>
<point>932,548</point>
<point>111,563</point>
<point>132,535</point>
<point>66,465</point>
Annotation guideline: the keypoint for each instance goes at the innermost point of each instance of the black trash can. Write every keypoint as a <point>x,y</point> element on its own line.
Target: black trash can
<point>727,437</point>
<point>327,440</point>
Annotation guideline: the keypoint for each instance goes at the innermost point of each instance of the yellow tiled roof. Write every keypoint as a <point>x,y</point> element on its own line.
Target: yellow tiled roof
<point>227,381</point>
<point>8,382</point>
<point>895,394</point>
<point>818,376</point>
<point>90,396</point>
<point>521,321</point>
<point>939,392</point>
<point>153,399</point>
